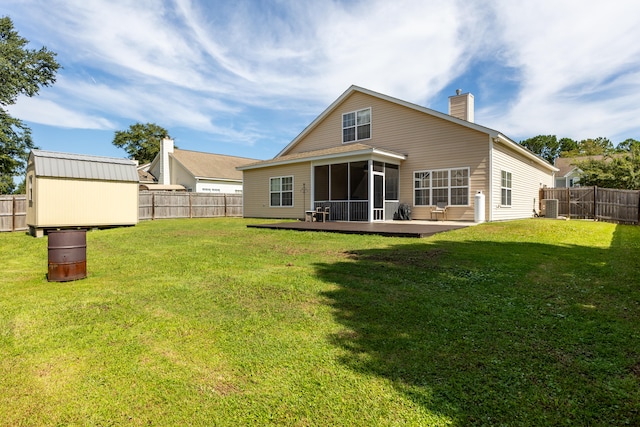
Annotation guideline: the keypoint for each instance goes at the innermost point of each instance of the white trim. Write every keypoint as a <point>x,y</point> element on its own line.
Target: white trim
<point>510,188</point>
<point>368,151</point>
<point>293,192</point>
<point>449,186</point>
<point>355,126</point>
<point>490,175</point>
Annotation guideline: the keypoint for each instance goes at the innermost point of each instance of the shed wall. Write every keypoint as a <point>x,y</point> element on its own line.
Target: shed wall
<point>73,202</point>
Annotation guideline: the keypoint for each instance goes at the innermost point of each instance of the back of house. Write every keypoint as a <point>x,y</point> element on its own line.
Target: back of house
<point>367,153</point>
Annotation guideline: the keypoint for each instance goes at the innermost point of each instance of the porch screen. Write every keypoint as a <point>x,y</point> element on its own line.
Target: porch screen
<point>359,188</point>
<point>339,180</point>
<point>321,183</point>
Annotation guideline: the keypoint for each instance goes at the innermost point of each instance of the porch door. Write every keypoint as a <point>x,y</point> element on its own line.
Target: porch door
<point>378,196</point>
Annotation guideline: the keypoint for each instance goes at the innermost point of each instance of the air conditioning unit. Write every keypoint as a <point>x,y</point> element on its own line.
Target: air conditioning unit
<point>551,208</point>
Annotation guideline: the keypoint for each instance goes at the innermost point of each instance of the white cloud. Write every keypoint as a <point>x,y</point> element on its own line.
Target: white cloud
<point>47,112</point>
<point>578,63</point>
<point>186,63</point>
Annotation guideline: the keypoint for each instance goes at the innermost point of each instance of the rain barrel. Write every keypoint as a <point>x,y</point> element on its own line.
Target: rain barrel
<point>67,255</point>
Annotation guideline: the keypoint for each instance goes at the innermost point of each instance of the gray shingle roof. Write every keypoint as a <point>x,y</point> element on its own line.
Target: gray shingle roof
<point>67,165</point>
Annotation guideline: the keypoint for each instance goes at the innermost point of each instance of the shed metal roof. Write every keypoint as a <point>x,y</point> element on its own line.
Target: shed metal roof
<point>67,165</point>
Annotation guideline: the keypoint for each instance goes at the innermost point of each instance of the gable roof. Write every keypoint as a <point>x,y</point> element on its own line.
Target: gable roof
<point>327,153</point>
<point>567,165</point>
<point>493,134</point>
<point>209,165</point>
<point>67,165</point>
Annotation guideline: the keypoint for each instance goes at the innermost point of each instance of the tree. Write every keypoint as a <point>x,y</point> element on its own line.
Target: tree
<point>545,146</point>
<point>23,71</point>
<point>617,169</point>
<point>590,147</point>
<point>549,147</point>
<point>141,141</point>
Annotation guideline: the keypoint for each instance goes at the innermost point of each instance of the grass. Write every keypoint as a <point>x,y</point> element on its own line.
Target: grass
<point>207,322</point>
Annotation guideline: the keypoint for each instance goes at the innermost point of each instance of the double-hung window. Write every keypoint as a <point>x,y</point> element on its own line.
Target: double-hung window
<point>356,125</point>
<point>505,184</point>
<point>281,191</point>
<point>450,186</point>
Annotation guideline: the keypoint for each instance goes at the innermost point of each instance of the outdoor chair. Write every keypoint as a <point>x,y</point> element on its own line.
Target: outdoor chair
<point>322,213</point>
<point>441,208</point>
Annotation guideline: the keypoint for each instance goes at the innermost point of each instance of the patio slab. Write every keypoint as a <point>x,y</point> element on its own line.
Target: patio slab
<point>388,228</point>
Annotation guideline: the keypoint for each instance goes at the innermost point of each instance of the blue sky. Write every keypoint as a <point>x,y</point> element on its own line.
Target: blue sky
<point>245,77</point>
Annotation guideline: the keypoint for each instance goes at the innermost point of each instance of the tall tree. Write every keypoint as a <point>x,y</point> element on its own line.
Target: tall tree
<point>545,146</point>
<point>23,71</point>
<point>617,169</point>
<point>141,141</point>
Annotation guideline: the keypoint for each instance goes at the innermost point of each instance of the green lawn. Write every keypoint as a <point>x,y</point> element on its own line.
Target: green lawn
<point>207,322</point>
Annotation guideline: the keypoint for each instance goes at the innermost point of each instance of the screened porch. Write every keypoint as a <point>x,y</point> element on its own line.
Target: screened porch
<point>345,188</point>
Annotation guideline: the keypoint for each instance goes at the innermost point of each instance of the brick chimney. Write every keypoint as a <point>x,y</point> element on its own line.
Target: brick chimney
<point>461,106</point>
<point>166,147</point>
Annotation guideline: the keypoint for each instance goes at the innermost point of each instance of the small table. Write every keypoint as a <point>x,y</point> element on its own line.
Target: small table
<point>309,216</point>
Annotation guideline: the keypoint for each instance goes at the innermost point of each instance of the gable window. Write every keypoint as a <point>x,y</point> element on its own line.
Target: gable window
<point>450,186</point>
<point>356,125</point>
<point>281,191</point>
<point>505,184</point>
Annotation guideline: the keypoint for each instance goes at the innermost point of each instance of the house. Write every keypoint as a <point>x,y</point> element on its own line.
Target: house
<point>568,174</point>
<point>71,190</point>
<point>367,153</point>
<point>195,171</point>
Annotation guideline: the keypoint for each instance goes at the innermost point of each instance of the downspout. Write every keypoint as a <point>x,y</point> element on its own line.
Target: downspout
<point>370,184</point>
<point>312,183</point>
<point>490,201</point>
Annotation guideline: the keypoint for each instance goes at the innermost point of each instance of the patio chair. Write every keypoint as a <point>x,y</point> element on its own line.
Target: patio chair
<point>441,208</point>
<point>322,212</point>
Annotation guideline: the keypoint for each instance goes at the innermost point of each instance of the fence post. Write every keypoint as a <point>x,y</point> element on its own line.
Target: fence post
<point>638,207</point>
<point>190,206</point>
<point>595,202</point>
<point>153,206</point>
<point>13,216</point>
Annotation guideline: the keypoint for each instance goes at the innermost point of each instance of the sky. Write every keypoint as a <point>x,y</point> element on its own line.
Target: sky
<point>245,77</point>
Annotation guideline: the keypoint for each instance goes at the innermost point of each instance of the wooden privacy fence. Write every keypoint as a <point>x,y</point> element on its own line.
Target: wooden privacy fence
<point>13,212</point>
<point>602,204</point>
<point>163,205</point>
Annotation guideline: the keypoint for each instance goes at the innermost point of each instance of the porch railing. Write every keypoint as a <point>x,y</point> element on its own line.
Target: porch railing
<point>345,210</point>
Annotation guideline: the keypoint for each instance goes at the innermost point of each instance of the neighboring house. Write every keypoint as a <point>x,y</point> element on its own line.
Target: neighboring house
<point>196,171</point>
<point>568,174</point>
<point>368,152</point>
<point>71,190</point>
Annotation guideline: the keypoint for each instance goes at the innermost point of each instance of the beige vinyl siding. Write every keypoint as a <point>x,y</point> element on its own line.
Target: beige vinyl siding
<point>73,202</point>
<point>429,143</point>
<point>256,191</point>
<point>527,178</point>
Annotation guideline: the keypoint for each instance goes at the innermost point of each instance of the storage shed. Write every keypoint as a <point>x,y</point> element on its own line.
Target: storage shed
<point>78,191</point>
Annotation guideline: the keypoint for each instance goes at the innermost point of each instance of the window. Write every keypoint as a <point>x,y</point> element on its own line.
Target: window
<point>450,186</point>
<point>281,191</point>
<point>440,187</point>
<point>356,125</point>
<point>460,187</point>
<point>505,198</point>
